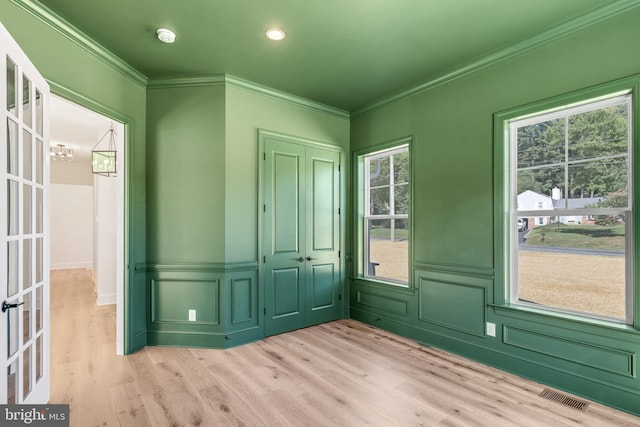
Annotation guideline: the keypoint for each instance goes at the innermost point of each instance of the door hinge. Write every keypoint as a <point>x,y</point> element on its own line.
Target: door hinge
<point>264,208</point>
<point>264,258</point>
<point>339,297</point>
<point>264,156</point>
<point>339,210</point>
<point>338,168</point>
<point>265,311</point>
<point>338,254</point>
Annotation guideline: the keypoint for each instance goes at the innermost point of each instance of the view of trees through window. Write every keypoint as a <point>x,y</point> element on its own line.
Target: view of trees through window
<point>387,214</point>
<point>572,175</point>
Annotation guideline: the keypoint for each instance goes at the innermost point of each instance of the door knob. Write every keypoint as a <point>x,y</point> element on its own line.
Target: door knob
<point>299,259</point>
<point>309,258</point>
<point>6,306</point>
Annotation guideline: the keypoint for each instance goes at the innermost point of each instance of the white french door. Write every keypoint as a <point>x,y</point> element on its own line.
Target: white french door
<point>24,247</point>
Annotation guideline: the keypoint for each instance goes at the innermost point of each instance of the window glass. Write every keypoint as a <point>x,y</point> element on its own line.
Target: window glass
<point>570,183</point>
<point>386,215</point>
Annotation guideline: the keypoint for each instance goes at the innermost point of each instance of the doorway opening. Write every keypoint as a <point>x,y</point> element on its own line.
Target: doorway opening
<point>87,210</point>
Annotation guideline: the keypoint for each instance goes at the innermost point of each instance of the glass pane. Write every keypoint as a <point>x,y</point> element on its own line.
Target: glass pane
<point>12,383</point>
<point>12,147</point>
<point>39,113</point>
<point>388,249</point>
<point>12,208</point>
<point>39,309</point>
<point>541,143</point>
<point>26,101</point>
<point>12,87</point>
<point>379,201</point>
<point>39,260</point>
<point>26,369</point>
<point>27,279</point>
<point>39,359</point>
<point>27,218</point>
<point>39,164</point>
<point>27,144</point>
<point>12,267</point>
<point>12,329</point>
<point>599,133</point>
<point>26,318</point>
<point>379,172</point>
<point>599,179</point>
<point>401,168</point>
<point>541,181</point>
<point>401,199</point>
<point>584,273</point>
<point>39,210</point>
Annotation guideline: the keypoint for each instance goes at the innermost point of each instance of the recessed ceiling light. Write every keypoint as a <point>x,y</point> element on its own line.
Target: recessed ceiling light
<point>165,35</point>
<point>275,34</point>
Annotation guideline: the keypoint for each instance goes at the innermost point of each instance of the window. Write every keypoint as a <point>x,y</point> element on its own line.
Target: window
<point>385,214</point>
<point>579,257</point>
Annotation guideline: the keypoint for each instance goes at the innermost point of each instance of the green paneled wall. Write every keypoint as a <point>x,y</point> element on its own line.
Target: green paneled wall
<point>202,210</point>
<point>453,235</point>
<point>81,76</point>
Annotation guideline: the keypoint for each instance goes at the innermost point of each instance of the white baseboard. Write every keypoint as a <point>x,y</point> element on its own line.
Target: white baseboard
<point>106,299</point>
<point>71,265</point>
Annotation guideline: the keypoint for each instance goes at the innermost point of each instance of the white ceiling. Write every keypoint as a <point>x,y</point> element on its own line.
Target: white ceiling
<point>76,127</point>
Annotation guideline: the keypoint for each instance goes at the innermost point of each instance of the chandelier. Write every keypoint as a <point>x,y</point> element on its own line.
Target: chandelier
<point>61,152</point>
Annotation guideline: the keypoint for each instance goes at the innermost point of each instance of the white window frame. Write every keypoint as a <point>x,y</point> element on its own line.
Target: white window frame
<point>366,208</point>
<point>565,112</point>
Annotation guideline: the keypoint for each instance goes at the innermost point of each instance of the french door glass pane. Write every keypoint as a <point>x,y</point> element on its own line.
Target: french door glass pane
<point>39,309</point>
<point>12,147</point>
<point>12,86</point>
<point>26,213</point>
<point>26,317</point>
<point>12,383</point>
<point>26,101</point>
<point>39,163</point>
<point>39,257</point>
<point>39,359</point>
<point>12,330</point>
<point>12,208</point>
<point>12,267</point>
<point>26,155</point>
<point>39,112</point>
<point>39,208</point>
<point>26,264</point>
<point>26,372</point>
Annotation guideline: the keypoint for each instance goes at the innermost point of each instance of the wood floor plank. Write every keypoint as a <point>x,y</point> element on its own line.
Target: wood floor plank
<point>341,373</point>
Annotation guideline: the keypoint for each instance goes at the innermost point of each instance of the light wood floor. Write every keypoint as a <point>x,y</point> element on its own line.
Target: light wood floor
<point>341,373</point>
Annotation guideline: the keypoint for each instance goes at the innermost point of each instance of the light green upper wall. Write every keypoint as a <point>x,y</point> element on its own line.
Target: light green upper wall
<point>186,174</point>
<point>452,128</point>
<point>246,112</point>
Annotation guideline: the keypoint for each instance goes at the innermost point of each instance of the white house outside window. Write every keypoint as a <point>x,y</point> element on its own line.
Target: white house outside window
<point>579,257</point>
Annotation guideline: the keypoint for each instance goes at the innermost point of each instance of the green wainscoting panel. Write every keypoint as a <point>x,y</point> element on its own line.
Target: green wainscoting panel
<point>456,302</point>
<point>597,357</point>
<point>172,299</point>
<point>386,302</point>
<point>243,301</point>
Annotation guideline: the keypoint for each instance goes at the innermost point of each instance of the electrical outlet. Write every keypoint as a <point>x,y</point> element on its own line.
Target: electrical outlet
<point>491,329</point>
<point>192,315</point>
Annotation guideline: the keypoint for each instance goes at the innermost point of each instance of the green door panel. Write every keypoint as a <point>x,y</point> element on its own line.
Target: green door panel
<point>285,203</point>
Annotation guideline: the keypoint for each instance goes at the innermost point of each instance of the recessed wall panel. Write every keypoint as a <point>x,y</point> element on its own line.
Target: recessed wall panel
<point>171,301</point>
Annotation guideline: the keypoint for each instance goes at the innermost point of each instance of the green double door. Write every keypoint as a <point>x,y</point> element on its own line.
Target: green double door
<point>301,234</point>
